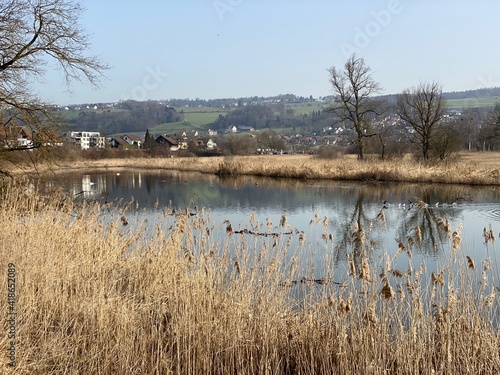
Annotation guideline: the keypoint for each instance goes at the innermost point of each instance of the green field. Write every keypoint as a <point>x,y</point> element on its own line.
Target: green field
<point>202,118</point>
<point>305,108</point>
<point>173,127</point>
<point>199,118</point>
<point>199,109</point>
<point>196,118</point>
<point>473,102</point>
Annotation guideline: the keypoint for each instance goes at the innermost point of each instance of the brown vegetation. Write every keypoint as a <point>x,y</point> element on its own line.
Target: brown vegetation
<point>466,168</point>
<point>100,291</point>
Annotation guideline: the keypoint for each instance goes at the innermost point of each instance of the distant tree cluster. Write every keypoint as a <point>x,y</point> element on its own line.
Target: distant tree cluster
<point>232,102</point>
<point>478,93</point>
<point>271,116</point>
<point>423,124</point>
<point>255,116</point>
<point>488,136</point>
<point>266,141</point>
<point>128,116</point>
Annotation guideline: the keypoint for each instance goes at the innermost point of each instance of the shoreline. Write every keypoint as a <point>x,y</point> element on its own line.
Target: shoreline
<point>467,168</point>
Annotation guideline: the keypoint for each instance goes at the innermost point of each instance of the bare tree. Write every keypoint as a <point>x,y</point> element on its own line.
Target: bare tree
<point>34,33</point>
<point>489,134</point>
<point>423,108</point>
<point>448,138</point>
<point>470,123</point>
<point>353,87</point>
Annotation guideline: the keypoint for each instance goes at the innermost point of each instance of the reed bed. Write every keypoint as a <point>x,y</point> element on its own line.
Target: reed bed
<point>466,168</point>
<point>112,290</point>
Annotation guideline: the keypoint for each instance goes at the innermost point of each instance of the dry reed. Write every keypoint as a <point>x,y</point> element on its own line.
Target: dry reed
<point>101,292</point>
<point>467,168</point>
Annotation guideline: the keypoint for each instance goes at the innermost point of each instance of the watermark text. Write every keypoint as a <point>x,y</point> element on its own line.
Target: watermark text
<point>379,20</point>
<point>222,7</point>
<point>11,313</point>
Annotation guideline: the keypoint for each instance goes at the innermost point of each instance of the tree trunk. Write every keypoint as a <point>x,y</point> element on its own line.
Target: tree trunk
<point>383,147</point>
<point>360,147</point>
<point>425,151</point>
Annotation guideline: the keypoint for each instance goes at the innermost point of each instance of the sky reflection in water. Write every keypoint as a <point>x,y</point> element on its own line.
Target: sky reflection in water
<point>345,205</point>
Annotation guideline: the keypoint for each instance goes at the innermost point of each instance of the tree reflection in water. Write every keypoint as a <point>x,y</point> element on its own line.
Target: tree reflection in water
<point>362,220</point>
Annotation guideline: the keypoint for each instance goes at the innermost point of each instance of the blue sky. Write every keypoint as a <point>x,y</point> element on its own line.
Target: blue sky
<point>161,49</point>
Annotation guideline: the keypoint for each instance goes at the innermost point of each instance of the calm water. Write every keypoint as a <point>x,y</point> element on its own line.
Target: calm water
<point>311,207</point>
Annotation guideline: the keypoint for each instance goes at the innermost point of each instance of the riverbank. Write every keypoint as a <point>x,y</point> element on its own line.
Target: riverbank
<point>466,168</point>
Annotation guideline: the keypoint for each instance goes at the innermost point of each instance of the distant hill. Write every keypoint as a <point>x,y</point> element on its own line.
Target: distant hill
<point>481,97</point>
<point>128,116</point>
<point>174,115</point>
<point>477,94</point>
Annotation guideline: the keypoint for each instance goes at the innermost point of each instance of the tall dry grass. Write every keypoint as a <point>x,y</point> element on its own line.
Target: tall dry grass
<point>101,291</point>
<point>465,168</point>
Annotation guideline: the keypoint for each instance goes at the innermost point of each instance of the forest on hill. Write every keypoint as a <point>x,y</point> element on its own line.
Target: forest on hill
<point>278,111</point>
<point>126,116</point>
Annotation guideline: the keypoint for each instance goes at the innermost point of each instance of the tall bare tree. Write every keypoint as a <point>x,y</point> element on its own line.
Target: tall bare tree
<point>423,108</point>
<point>353,87</point>
<point>489,133</point>
<point>34,33</point>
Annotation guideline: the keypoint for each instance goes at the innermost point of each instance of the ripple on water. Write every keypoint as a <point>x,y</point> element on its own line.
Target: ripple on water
<point>489,211</point>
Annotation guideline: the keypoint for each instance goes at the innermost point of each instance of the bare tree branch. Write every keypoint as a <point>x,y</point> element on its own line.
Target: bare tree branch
<point>354,87</point>
<point>33,33</point>
<point>423,108</point>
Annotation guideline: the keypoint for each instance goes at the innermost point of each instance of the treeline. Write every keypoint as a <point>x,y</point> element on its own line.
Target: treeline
<point>253,112</point>
<point>127,116</point>
<point>479,93</point>
<point>229,102</point>
<point>291,98</point>
<point>468,94</point>
<point>271,116</point>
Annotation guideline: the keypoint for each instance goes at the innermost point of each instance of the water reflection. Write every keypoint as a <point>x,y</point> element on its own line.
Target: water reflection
<point>91,187</point>
<point>362,219</point>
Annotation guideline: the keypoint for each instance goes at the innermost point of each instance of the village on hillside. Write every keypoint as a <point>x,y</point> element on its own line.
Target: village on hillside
<point>278,125</point>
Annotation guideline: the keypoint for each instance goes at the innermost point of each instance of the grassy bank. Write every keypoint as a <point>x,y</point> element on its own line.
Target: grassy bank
<point>466,168</point>
<point>101,295</point>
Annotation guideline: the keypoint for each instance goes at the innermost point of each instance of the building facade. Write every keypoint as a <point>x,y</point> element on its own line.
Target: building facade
<point>87,140</point>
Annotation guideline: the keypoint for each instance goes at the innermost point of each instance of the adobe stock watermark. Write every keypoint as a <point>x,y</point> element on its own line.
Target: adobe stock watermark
<point>204,196</point>
<point>489,81</point>
<point>380,20</point>
<point>485,83</point>
<point>153,78</point>
<point>12,314</point>
<point>222,7</point>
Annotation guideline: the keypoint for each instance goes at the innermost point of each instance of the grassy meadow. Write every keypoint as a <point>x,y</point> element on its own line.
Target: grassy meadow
<point>100,290</point>
<point>305,108</point>
<point>196,118</point>
<point>488,101</point>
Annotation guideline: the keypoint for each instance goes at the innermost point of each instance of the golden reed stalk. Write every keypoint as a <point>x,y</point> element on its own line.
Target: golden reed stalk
<point>99,295</point>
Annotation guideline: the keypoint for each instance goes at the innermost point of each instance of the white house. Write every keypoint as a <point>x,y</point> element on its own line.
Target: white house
<point>133,139</point>
<point>211,144</point>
